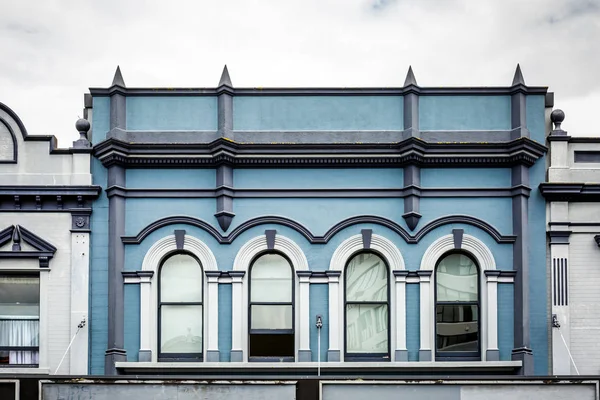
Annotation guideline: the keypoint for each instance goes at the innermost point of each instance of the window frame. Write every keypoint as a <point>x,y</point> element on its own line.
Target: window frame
<point>271,331</point>
<point>178,357</point>
<point>367,356</point>
<point>456,355</point>
<point>25,273</point>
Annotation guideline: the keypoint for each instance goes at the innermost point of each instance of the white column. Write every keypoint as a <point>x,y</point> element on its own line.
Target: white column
<point>425,353</point>
<point>148,311</point>
<point>335,316</point>
<point>44,361</point>
<point>491,315</point>
<point>400,282</point>
<point>303,310</point>
<point>212,316</point>
<point>80,266</point>
<point>237,316</point>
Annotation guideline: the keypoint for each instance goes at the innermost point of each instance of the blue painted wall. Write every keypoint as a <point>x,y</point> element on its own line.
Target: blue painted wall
<point>269,113</point>
<point>132,321</point>
<point>413,322</point>
<point>537,243</point>
<point>163,178</point>
<point>319,215</point>
<point>315,178</point>
<point>496,211</point>
<point>98,329</point>
<point>319,305</point>
<point>466,177</point>
<point>225,322</point>
<point>100,119</point>
<point>506,333</point>
<point>171,113</point>
<point>464,113</point>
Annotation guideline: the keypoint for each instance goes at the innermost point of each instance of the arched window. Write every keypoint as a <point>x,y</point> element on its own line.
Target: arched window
<point>180,308</point>
<point>457,308</point>
<point>367,308</point>
<point>271,309</point>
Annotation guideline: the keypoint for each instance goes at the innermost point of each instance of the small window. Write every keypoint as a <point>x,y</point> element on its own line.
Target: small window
<point>367,308</point>
<point>19,320</point>
<point>271,309</point>
<point>180,308</point>
<point>457,308</point>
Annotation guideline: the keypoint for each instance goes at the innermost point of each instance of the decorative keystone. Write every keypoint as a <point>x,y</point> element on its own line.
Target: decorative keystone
<point>412,219</point>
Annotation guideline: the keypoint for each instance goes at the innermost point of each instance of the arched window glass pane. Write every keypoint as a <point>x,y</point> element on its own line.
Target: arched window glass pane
<point>366,278</point>
<point>367,311</point>
<point>456,278</point>
<point>181,279</point>
<point>271,279</point>
<point>181,329</point>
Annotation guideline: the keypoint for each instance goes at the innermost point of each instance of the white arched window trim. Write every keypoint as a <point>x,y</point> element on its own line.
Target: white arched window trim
<point>149,296</point>
<point>239,315</point>
<point>397,323</point>
<point>489,295</point>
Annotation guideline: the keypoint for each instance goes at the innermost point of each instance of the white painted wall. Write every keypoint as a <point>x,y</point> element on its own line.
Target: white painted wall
<point>64,286</point>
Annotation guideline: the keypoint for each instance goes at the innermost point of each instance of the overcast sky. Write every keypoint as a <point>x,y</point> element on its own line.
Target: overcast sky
<point>52,51</point>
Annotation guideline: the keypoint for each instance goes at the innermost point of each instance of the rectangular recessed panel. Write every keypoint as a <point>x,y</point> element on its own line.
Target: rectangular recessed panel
<point>390,392</point>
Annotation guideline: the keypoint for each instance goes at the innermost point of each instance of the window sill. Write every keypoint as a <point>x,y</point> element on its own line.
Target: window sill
<point>24,370</point>
<point>339,369</point>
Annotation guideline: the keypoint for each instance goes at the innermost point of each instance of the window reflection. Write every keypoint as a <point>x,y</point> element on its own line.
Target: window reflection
<point>457,306</point>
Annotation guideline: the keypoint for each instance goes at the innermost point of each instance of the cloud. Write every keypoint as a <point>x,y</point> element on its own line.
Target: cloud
<point>53,52</point>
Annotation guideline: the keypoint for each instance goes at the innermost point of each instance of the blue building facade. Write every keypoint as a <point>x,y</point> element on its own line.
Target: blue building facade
<point>375,229</point>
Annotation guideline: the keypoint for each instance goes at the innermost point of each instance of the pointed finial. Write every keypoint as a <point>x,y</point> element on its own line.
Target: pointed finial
<point>518,78</point>
<point>410,77</point>
<point>118,79</point>
<point>225,79</point>
<point>16,238</point>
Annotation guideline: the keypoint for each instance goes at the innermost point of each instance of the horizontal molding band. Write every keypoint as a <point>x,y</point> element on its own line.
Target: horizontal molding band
<point>570,191</point>
<point>519,190</point>
<point>410,151</point>
<point>364,219</point>
<point>74,199</point>
<point>370,91</point>
<point>316,136</point>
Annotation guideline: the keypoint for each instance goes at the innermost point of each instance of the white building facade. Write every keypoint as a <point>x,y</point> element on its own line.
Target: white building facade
<point>573,196</point>
<point>45,207</point>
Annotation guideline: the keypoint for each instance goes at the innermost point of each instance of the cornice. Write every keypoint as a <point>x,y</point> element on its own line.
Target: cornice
<point>570,191</point>
<point>410,151</point>
<point>48,198</point>
<point>367,91</point>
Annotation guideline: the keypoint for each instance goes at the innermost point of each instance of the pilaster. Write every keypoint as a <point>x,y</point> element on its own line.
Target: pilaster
<point>303,310</point>
<point>212,316</point>
<point>237,301</point>
<point>400,353</point>
<point>426,316</point>
<point>520,216</point>
<point>335,316</point>
<point>80,265</point>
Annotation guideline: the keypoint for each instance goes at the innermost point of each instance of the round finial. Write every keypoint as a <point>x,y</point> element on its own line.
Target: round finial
<point>557,117</point>
<point>82,125</point>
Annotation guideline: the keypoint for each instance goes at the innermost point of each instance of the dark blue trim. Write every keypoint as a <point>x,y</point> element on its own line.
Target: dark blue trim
<point>363,219</point>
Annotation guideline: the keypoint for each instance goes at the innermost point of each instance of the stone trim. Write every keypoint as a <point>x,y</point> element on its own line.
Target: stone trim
<point>570,191</point>
<point>74,199</point>
<point>363,219</point>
